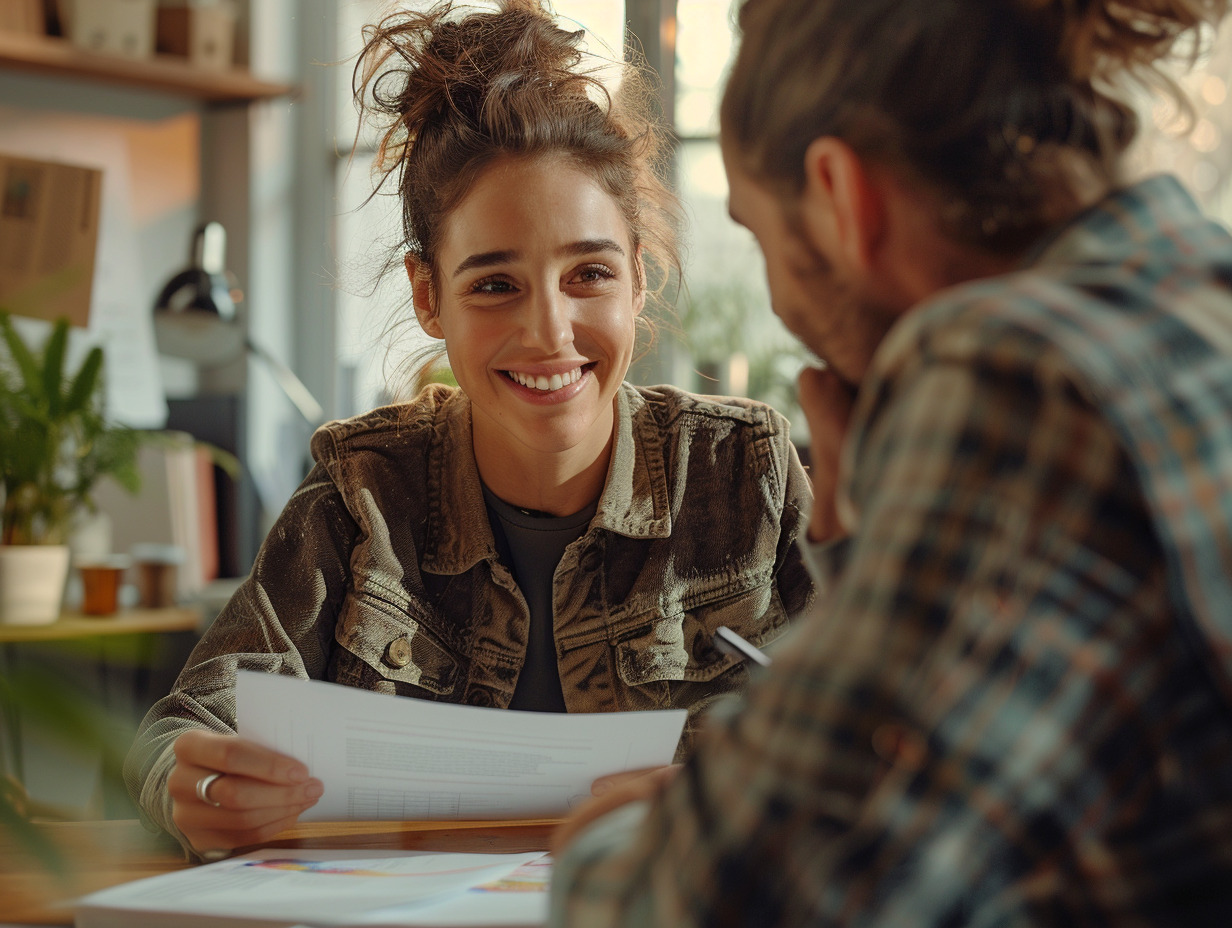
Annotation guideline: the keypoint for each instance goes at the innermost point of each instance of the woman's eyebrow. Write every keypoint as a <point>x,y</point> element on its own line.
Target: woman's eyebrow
<point>587,246</point>
<point>591,245</point>
<point>484,259</point>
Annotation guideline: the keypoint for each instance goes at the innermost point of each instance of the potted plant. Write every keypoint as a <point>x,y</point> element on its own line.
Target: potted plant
<point>55,445</point>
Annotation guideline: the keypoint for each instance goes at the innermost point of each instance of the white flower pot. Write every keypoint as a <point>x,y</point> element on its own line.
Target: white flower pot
<point>32,581</point>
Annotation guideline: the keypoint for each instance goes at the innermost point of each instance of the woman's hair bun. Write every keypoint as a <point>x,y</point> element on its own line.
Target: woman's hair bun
<point>1099,39</point>
<point>452,86</point>
<point>441,64</point>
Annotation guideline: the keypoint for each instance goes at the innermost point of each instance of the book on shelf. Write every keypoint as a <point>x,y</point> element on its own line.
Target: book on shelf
<point>175,506</point>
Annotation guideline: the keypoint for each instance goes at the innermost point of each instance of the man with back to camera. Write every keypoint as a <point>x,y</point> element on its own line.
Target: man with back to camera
<point>1011,704</point>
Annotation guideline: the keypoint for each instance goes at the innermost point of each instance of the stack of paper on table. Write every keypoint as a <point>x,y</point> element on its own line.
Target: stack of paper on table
<point>519,899</point>
<point>279,887</point>
<point>385,757</point>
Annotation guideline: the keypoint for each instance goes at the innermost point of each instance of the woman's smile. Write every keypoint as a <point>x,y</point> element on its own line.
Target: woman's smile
<point>552,386</point>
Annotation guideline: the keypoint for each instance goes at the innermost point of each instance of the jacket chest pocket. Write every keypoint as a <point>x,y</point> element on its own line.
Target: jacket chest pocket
<point>391,641</point>
<point>679,646</point>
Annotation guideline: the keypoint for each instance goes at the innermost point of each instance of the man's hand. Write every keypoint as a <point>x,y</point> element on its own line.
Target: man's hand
<point>609,793</point>
<point>826,402</point>
<point>258,794</point>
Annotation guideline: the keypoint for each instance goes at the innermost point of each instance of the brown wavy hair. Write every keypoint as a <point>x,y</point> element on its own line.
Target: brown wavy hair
<point>989,102</point>
<point>452,88</point>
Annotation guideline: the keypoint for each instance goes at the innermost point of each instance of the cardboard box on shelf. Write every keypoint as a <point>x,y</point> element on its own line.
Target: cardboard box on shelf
<point>202,32</point>
<point>25,16</point>
<point>48,237</point>
<point>116,27</point>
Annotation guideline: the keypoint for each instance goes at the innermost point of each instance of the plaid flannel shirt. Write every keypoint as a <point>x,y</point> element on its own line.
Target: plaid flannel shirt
<point>1010,707</point>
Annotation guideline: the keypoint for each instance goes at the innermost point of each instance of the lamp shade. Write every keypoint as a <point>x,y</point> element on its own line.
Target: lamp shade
<point>195,316</point>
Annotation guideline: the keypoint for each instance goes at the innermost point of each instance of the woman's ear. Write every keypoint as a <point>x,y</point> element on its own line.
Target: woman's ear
<point>421,295</point>
<point>639,294</point>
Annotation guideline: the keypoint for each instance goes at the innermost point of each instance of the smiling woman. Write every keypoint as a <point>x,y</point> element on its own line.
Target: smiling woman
<point>538,320</point>
<point>545,536</point>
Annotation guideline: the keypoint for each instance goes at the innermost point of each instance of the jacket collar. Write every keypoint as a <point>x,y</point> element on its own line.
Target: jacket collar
<point>635,500</point>
<point>457,536</point>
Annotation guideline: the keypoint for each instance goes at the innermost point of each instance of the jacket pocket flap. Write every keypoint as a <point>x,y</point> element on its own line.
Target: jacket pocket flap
<point>396,645</point>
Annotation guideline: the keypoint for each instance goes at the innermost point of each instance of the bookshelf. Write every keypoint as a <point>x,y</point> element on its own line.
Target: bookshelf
<point>240,116</point>
<point>49,55</point>
<point>126,622</point>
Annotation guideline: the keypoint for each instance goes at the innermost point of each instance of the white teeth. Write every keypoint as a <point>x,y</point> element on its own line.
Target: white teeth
<point>547,384</point>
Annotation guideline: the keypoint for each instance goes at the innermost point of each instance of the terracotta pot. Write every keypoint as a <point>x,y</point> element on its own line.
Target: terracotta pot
<point>32,581</point>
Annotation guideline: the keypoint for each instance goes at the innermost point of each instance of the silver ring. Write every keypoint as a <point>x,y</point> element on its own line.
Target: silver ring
<point>203,790</point>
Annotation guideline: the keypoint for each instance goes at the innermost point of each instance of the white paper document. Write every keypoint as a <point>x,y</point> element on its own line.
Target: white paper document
<point>283,886</point>
<point>519,900</point>
<point>387,757</point>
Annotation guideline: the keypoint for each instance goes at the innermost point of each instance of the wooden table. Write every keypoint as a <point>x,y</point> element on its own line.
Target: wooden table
<point>101,854</point>
<point>126,622</point>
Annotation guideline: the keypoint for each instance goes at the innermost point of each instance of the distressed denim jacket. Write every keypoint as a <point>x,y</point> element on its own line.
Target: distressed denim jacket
<point>382,571</point>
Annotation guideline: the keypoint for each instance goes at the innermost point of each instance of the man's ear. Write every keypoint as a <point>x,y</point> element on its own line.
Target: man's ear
<point>421,295</point>
<point>841,205</point>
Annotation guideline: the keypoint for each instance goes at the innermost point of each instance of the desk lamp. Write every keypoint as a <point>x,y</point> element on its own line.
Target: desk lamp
<point>197,318</point>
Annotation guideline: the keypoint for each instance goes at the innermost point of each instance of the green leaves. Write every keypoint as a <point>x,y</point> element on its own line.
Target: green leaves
<point>42,695</point>
<point>86,382</point>
<point>53,367</point>
<point>21,354</point>
<point>27,834</point>
<point>55,443</point>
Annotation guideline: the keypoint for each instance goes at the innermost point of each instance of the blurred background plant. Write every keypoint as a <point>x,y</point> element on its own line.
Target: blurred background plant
<point>55,441</point>
<point>44,693</point>
<point>736,346</point>
<point>56,445</point>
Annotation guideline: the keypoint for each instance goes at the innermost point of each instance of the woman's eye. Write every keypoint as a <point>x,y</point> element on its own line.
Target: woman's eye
<point>492,285</point>
<point>593,273</point>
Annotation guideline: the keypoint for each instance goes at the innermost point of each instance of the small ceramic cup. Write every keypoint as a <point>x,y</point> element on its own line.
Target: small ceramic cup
<point>100,583</point>
<point>157,573</point>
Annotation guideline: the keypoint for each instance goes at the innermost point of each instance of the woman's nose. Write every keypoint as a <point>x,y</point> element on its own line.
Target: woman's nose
<point>548,325</point>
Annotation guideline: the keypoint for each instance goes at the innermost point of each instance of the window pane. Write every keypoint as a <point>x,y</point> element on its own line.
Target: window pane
<point>376,331</point>
<point>735,342</point>
<point>1201,157</point>
<point>704,47</point>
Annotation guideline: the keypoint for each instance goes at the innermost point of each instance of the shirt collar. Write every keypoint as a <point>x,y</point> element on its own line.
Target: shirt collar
<point>1128,221</point>
<point>1125,221</point>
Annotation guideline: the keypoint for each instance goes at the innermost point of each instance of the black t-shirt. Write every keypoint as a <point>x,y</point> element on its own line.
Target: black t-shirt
<point>532,544</point>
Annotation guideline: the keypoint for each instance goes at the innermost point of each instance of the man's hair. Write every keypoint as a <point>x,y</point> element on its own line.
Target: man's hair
<point>990,103</point>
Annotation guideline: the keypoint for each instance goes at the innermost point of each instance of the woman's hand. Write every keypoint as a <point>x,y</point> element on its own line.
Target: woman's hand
<point>826,402</point>
<point>610,793</point>
<point>257,793</point>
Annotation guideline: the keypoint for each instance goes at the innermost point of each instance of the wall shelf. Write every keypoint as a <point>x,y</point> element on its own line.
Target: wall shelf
<point>47,55</point>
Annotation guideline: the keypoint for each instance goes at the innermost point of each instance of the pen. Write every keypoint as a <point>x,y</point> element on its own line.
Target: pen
<point>729,642</point>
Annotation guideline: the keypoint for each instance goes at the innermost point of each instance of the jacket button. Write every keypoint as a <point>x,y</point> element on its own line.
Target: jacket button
<point>398,654</point>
